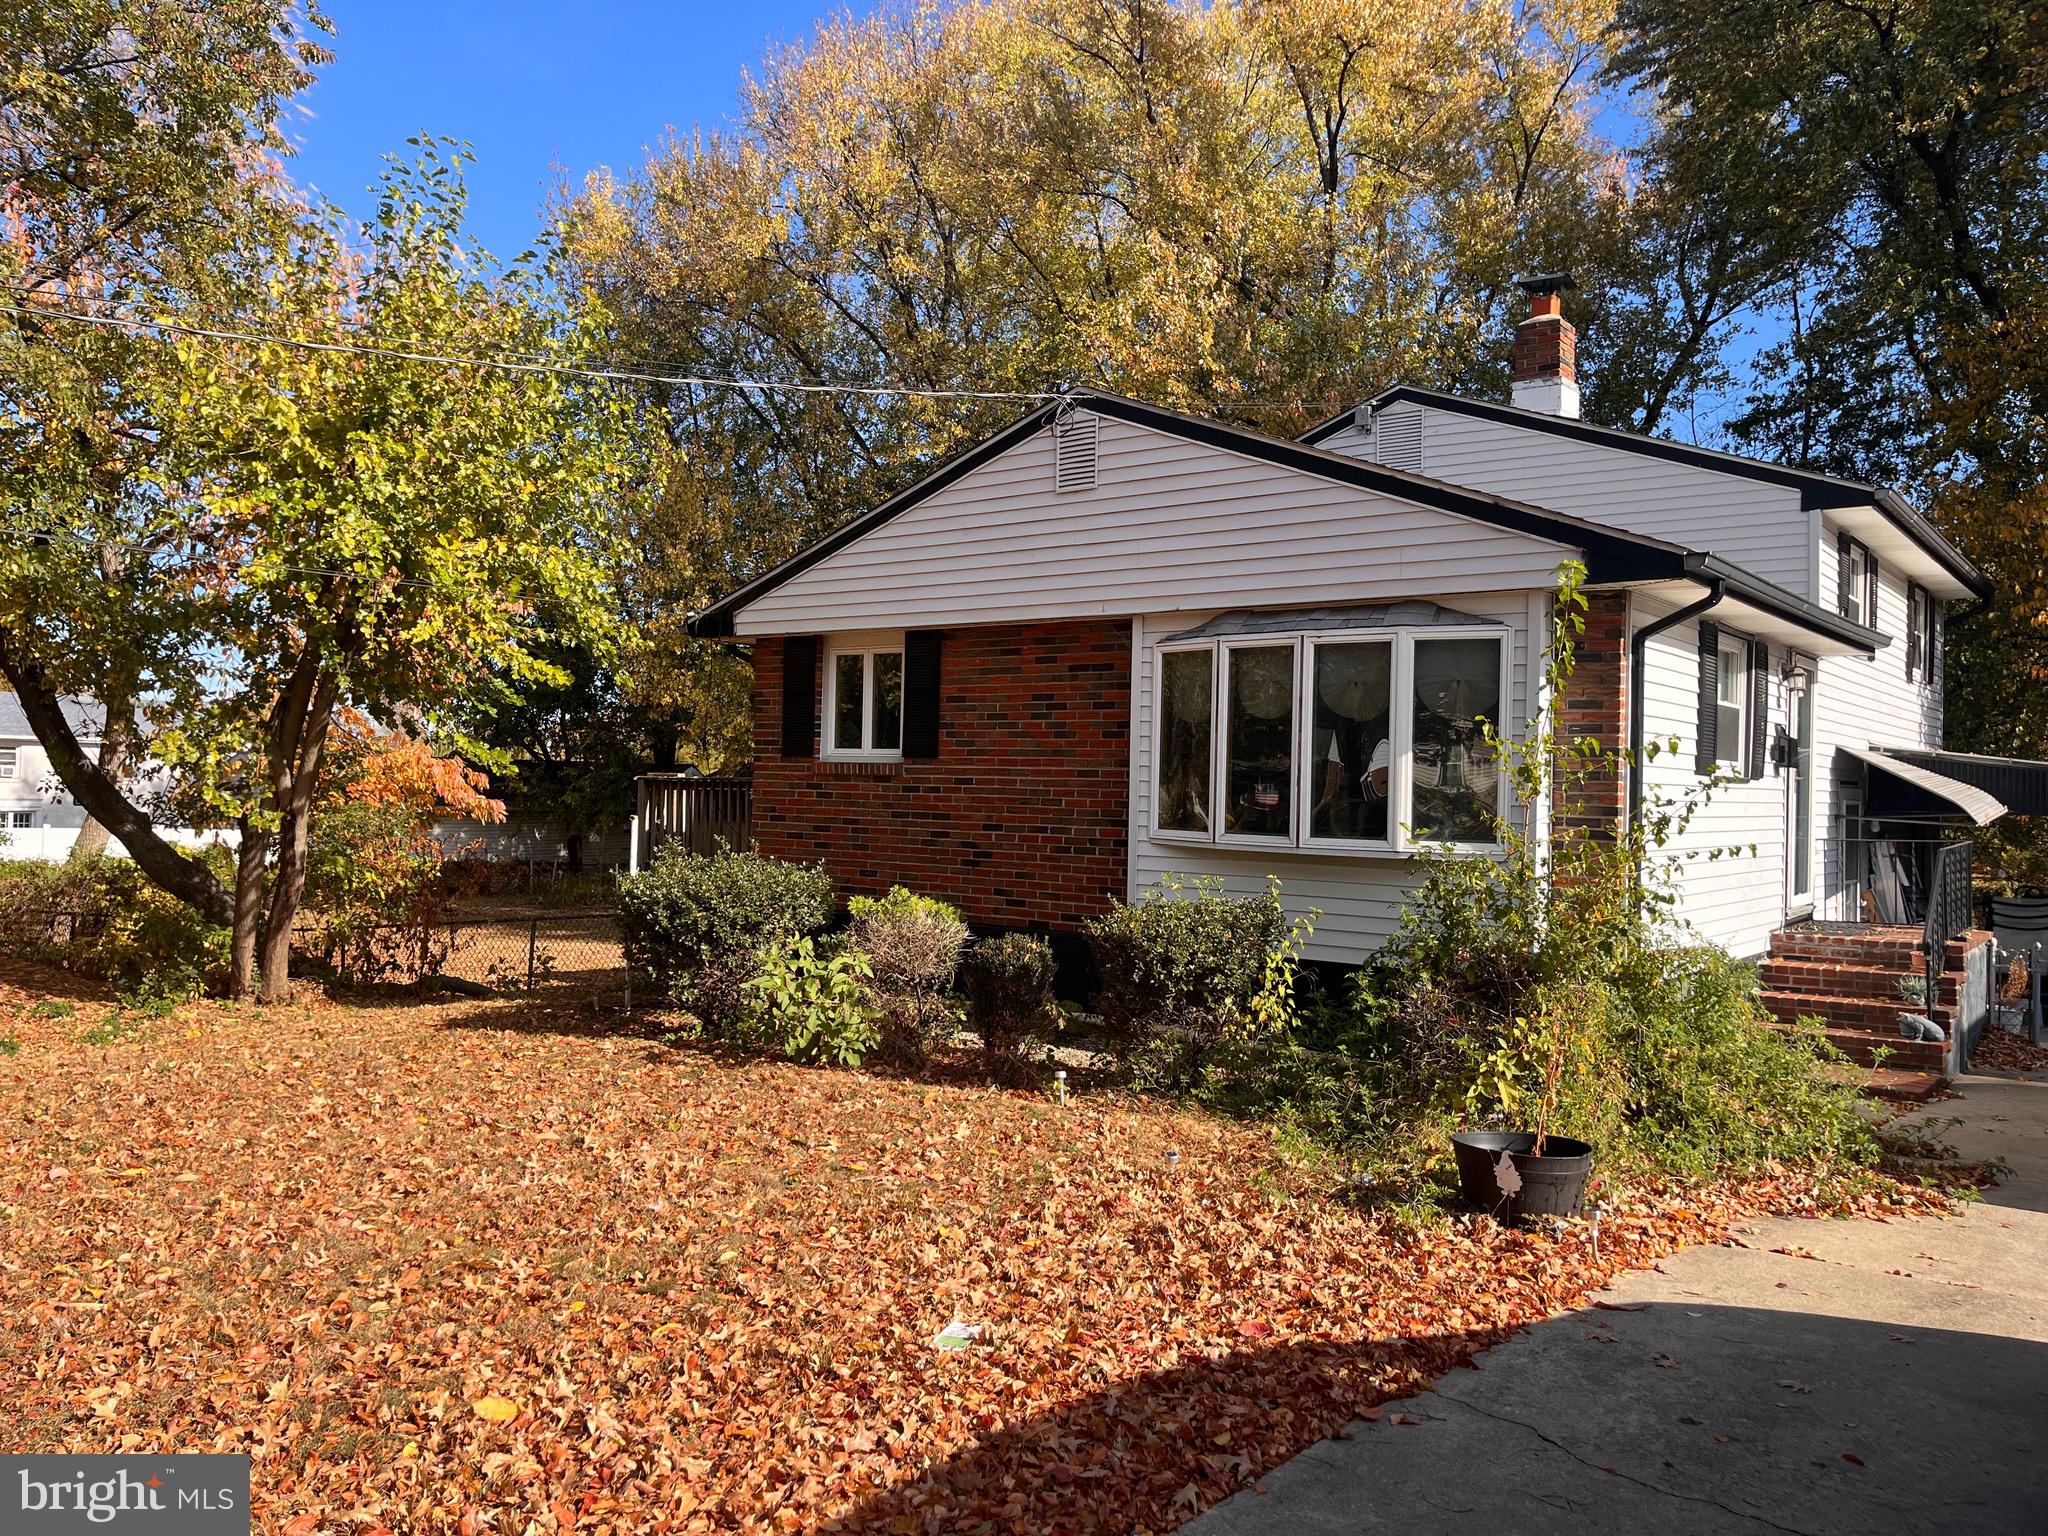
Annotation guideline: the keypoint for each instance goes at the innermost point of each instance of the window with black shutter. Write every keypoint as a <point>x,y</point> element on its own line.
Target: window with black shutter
<point>799,695</point>
<point>921,678</point>
<point>1916,635</point>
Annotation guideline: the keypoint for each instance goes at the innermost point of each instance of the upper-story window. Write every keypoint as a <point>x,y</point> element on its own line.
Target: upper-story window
<point>1344,740</point>
<point>10,762</point>
<point>1855,581</point>
<point>864,699</point>
<point>1920,633</point>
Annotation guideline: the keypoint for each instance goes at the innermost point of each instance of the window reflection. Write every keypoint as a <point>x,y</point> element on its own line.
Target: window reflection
<point>1187,707</point>
<point>1456,780</point>
<point>1259,755</point>
<point>1351,742</point>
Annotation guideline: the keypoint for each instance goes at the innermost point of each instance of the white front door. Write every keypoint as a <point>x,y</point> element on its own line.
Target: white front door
<point>1799,838</point>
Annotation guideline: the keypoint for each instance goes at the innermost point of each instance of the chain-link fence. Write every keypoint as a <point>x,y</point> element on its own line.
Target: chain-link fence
<point>512,952</point>
<point>560,952</point>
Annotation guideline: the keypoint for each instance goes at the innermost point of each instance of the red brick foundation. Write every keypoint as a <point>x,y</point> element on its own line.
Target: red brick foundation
<point>1596,705</point>
<point>1022,819</point>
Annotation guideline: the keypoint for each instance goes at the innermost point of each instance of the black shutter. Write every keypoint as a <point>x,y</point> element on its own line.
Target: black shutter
<point>1759,705</point>
<point>1916,630</point>
<point>1870,589</point>
<point>1710,699</point>
<point>799,695</point>
<point>1936,644</point>
<point>1842,594</point>
<point>921,693</point>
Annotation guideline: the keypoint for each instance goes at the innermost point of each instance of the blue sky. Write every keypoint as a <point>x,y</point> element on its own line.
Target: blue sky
<point>536,88</point>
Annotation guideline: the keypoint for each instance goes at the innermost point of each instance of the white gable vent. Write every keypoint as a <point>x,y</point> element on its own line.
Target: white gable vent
<point>1397,438</point>
<point>1073,455</point>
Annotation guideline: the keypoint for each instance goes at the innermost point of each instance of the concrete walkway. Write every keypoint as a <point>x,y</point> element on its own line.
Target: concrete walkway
<point>1828,1377</point>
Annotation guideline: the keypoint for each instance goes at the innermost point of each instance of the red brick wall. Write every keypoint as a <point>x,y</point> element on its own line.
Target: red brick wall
<point>1023,817</point>
<point>1596,705</point>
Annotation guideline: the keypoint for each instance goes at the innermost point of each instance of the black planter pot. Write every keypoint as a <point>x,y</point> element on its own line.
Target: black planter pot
<point>1552,1185</point>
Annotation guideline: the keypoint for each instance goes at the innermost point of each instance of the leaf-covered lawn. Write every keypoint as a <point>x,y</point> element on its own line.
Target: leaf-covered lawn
<point>492,1267</point>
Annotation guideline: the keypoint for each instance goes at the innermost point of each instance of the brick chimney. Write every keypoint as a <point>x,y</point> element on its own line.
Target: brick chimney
<point>1546,348</point>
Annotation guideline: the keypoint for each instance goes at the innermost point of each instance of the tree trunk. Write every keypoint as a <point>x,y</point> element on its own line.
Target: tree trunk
<point>297,746</point>
<point>248,931</point>
<point>117,746</point>
<point>167,868</point>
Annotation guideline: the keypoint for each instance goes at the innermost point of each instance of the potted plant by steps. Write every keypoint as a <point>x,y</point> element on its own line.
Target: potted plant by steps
<point>1514,1175</point>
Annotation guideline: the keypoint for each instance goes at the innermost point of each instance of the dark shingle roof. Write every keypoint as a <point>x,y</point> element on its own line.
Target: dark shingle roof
<point>85,715</point>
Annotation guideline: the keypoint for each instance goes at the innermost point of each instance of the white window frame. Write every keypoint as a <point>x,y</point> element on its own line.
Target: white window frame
<point>1400,775</point>
<point>1737,647</point>
<point>867,647</point>
<point>21,821</point>
<point>1219,742</point>
<point>1400,723</point>
<point>10,762</point>
<point>1152,794</point>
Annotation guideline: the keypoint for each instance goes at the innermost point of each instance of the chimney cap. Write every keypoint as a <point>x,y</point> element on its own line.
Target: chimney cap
<point>1549,282</point>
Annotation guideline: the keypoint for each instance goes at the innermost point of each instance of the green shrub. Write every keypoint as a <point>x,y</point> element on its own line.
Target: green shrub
<point>814,1006</point>
<point>693,923</point>
<point>1182,969</point>
<point>1550,988</point>
<point>913,946</point>
<point>1008,983</point>
<point>105,919</point>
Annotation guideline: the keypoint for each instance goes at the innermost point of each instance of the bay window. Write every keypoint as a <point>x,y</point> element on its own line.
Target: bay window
<point>1368,740</point>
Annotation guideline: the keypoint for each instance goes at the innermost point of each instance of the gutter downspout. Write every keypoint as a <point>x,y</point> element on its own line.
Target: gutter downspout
<point>1638,647</point>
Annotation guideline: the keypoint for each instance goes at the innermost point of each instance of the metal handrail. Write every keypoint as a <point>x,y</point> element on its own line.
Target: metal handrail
<point>1949,898</point>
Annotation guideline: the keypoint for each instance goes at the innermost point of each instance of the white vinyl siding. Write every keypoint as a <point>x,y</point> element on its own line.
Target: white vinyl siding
<point>1863,702</point>
<point>1170,524</point>
<point>1731,856</point>
<point>1360,895</point>
<point>1759,527</point>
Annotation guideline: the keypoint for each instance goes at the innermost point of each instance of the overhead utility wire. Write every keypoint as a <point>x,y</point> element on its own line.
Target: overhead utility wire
<point>571,370</point>
<point>525,363</point>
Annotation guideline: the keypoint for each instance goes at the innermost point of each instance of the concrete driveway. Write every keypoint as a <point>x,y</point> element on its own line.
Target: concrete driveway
<point>1827,1377</point>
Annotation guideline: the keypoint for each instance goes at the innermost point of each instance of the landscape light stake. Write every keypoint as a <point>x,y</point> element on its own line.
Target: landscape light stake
<point>1059,1084</point>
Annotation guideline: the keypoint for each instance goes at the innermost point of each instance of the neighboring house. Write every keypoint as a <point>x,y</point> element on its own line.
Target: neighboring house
<point>529,835</point>
<point>41,821</point>
<point>37,815</point>
<point>1114,642</point>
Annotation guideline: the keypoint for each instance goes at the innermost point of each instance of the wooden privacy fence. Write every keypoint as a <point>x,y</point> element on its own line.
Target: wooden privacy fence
<point>697,812</point>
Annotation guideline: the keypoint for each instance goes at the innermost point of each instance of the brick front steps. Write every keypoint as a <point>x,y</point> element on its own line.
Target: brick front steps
<point>1892,1084</point>
<point>1849,976</point>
